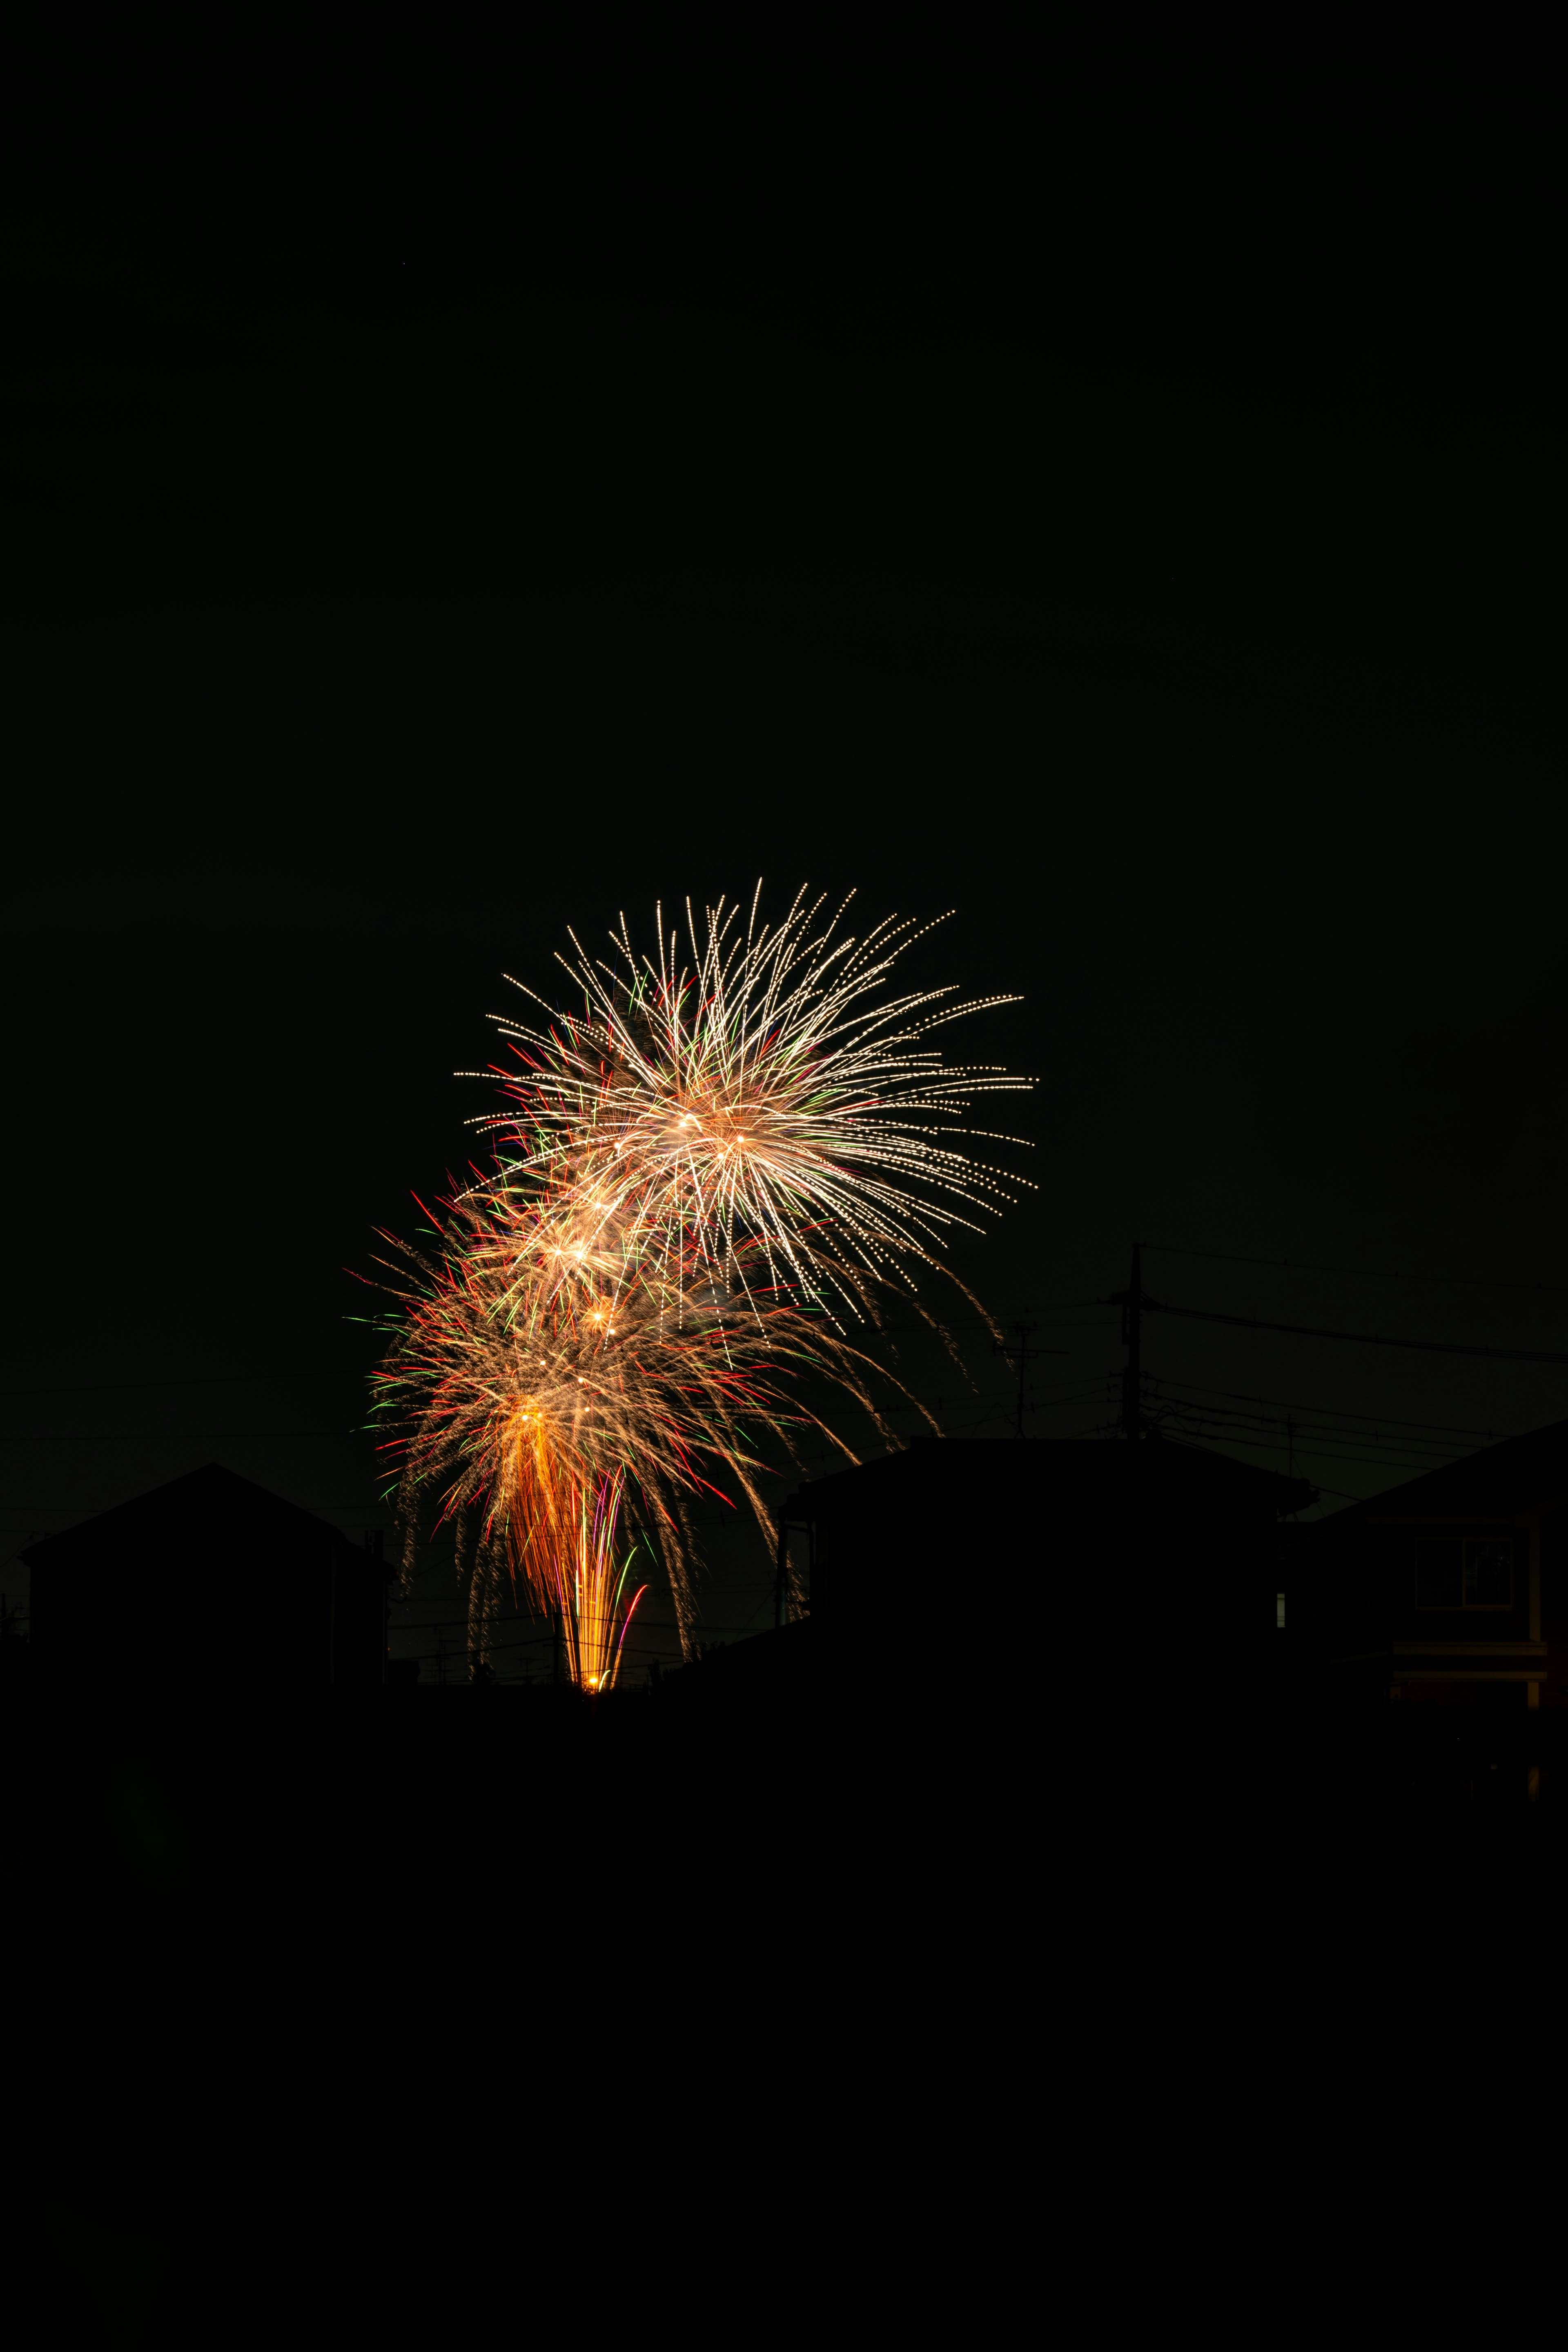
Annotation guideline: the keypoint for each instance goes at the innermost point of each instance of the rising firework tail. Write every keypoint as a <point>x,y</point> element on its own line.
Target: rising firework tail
<point>509,1406</point>
<point>704,1182</point>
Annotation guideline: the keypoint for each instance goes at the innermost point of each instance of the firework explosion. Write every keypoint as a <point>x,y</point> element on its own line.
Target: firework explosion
<point>527,1407</point>
<point>765,1091</point>
<point>700,1180</point>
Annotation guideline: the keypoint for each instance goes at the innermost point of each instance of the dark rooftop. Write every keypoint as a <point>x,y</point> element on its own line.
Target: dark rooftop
<point>208,1502</point>
<point>1077,1470</point>
<point>1499,1482</point>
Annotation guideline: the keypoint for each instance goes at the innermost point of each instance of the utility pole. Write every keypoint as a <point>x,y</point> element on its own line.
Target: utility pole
<point>1026,1355</point>
<point>1134,1302</point>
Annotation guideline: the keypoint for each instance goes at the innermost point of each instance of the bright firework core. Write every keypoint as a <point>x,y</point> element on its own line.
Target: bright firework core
<point>705,1179</point>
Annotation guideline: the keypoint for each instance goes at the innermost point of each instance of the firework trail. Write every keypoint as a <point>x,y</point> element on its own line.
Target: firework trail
<point>700,1179</point>
<point>526,1408</point>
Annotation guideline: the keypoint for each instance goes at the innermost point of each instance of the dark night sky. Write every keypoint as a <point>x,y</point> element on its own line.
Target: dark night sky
<point>1111,487</point>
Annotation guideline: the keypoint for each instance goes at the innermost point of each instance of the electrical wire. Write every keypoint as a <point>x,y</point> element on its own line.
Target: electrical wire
<point>1288,1405</point>
<point>1360,1274</point>
<point>1368,1440</point>
<point>1309,1453</point>
<point>1358,1339</point>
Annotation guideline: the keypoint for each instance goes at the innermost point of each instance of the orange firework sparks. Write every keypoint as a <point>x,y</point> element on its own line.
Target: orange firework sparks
<point>527,1408</point>
<point>700,1179</point>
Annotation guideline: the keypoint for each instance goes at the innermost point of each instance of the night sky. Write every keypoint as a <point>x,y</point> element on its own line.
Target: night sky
<point>1110,486</point>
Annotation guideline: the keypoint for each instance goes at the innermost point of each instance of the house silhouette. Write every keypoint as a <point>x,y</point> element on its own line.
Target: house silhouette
<point>1451,1589</point>
<point>1102,1561</point>
<point>209,1582</point>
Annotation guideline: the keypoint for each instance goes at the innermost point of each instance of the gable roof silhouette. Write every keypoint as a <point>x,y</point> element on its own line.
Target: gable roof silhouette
<point>1517,1475</point>
<point>212,1507</point>
<point>1057,1475</point>
<point>210,1582</point>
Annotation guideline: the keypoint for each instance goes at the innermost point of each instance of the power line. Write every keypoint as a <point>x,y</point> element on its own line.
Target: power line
<point>1393,1447</point>
<point>1308,1451</point>
<point>1321,1444</point>
<point>1292,1405</point>
<point>1357,1339</point>
<point>456,1627</point>
<point>1308,1443</point>
<point>337,1372</point>
<point>1374,1443</point>
<point>1360,1274</point>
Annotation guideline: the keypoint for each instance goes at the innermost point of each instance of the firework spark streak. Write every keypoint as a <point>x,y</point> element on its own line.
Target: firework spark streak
<point>586,1586</point>
<point>766,1090</point>
<point>519,1403</point>
<point>700,1180</point>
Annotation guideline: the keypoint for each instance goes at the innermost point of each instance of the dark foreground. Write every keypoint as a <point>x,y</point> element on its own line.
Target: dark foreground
<point>299,1992</point>
<point>278,1978</point>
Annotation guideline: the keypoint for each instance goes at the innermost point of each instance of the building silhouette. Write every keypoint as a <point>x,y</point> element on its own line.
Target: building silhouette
<point>1125,1568</point>
<point>1451,1589</point>
<point>210,1582</point>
